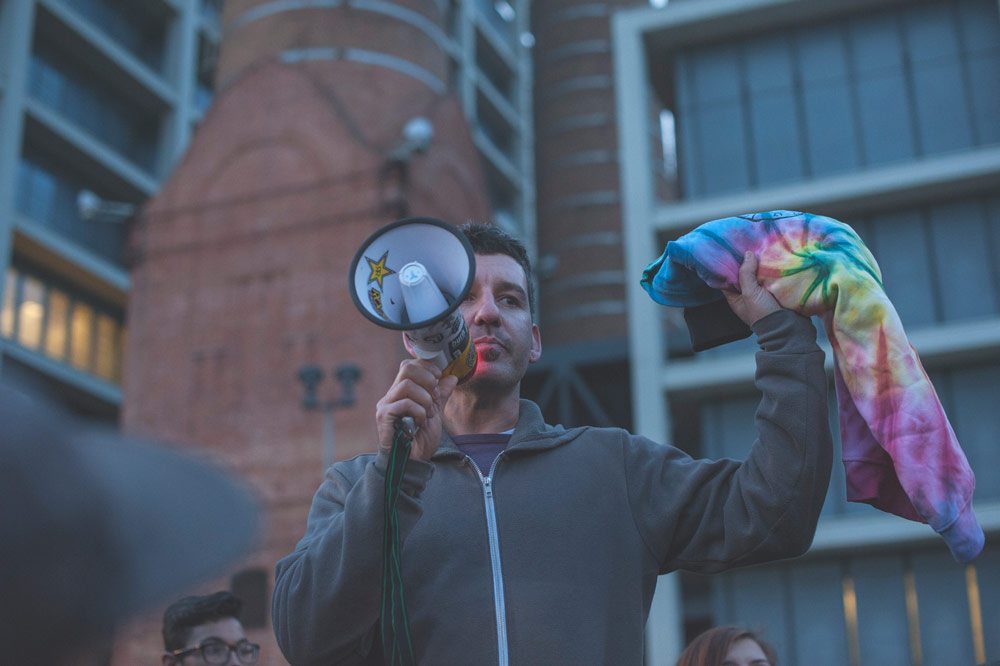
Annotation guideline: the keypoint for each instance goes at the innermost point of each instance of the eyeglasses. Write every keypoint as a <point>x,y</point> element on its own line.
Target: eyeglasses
<point>215,651</point>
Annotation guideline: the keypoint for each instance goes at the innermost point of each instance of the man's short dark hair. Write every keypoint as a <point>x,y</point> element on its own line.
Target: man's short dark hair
<point>491,239</point>
<point>184,615</point>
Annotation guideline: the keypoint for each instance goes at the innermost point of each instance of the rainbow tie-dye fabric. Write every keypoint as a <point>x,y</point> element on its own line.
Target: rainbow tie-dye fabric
<point>900,452</point>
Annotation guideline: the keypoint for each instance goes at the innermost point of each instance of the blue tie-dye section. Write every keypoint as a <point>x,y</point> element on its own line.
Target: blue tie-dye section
<point>678,279</point>
<point>672,280</point>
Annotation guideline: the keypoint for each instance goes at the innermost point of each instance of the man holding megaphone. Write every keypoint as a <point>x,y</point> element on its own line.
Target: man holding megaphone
<point>526,543</point>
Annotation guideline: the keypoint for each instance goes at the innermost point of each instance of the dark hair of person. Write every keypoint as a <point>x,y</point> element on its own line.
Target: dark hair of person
<point>491,239</point>
<point>710,648</point>
<point>184,615</point>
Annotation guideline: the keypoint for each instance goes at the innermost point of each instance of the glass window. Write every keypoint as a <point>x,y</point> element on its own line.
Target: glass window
<point>868,90</point>
<point>47,194</point>
<point>31,313</point>
<point>453,14</point>
<point>664,149</point>
<point>496,127</point>
<point>81,340</point>
<point>495,69</point>
<point>501,18</point>
<point>59,81</point>
<point>861,608</point>
<point>36,191</point>
<point>42,315</point>
<point>211,11</point>
<point>131,24</point>
<point>204,89</point>
<point>7,318</point>
<point>56,324</point>
<point>106,348</point>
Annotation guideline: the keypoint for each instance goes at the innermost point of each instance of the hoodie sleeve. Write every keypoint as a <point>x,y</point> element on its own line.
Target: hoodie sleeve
<point>327,592</point>
<point>711,515</point>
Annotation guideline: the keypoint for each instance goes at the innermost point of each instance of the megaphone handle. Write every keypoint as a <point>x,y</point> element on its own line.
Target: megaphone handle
<point>407,426</point>
<point>394,623</point>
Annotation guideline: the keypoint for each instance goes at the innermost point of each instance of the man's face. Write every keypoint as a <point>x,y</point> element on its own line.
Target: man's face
<point>228,630</point>
<point>499,319</point>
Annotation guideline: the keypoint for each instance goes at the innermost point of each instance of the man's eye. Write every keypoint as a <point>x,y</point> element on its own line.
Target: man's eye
<point>510,300</point>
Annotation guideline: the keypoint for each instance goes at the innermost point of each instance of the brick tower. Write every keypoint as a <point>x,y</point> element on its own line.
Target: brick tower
<point>583,375</point>
<point>579,209</point>
<point>240,263</point>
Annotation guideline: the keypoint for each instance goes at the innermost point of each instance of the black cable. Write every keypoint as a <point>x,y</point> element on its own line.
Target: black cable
<point>395,624</point>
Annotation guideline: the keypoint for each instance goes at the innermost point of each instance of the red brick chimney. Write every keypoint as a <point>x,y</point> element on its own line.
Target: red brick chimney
<point>240,263</point>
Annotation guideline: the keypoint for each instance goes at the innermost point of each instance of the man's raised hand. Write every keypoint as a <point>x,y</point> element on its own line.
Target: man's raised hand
<point>752,302</point>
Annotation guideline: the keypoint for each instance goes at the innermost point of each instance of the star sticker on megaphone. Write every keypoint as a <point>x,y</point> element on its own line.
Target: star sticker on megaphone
<point>379,270</point>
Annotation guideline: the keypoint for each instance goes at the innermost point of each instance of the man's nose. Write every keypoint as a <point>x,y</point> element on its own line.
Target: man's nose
<point>486,310</point>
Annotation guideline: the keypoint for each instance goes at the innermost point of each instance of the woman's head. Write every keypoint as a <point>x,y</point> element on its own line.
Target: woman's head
<point>728,646</point>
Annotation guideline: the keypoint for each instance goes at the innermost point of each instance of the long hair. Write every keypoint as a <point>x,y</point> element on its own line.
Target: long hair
<point>710,648</point>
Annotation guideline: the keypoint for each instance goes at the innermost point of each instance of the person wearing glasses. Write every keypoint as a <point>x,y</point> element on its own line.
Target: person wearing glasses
<point>206,630</point>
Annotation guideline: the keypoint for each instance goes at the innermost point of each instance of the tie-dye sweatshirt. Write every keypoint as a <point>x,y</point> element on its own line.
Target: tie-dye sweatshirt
<point>900,452</point>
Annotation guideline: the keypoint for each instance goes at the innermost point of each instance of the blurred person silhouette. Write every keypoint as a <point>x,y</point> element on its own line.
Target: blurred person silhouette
<point>207,630</point>
<point>728,646</point>
<point>95,527</point>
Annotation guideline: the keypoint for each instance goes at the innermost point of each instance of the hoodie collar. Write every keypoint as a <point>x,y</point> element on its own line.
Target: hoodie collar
<point>530,434</point>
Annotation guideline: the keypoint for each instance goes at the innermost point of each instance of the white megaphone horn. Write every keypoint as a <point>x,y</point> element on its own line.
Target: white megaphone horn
<point>411,276</point>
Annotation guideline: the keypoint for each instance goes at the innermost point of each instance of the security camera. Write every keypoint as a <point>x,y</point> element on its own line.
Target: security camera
<point>91,207</point>
<point>417,134</point>
<point>88,204</point>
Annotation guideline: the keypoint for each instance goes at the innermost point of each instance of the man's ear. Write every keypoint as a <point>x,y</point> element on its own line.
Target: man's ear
<point>536,344</point>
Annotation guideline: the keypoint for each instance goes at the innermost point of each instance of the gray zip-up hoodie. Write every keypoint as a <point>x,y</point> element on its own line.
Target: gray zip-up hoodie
<point>552,556</point>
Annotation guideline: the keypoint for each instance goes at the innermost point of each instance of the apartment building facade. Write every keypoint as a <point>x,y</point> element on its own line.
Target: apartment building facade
<point>885,115</point>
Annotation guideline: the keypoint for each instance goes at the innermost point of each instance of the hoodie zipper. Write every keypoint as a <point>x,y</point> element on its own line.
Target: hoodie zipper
<point>494,539</point>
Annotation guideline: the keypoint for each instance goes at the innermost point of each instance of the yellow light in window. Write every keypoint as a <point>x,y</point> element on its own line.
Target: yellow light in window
<point>913,616</point>
<point>7,316</point>
<point>81,336</point>
<point>975,613</point>
<point>29,329</point>
<point>57,324</point>
<point>107,348</point>
<point>850,599</point>
<point>30,313</point>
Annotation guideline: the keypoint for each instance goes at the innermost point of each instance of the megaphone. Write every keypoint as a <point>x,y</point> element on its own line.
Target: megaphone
<point>411,276</point>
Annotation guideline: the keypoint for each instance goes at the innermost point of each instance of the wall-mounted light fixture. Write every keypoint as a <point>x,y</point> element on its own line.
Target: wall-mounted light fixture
<point>311,376</point>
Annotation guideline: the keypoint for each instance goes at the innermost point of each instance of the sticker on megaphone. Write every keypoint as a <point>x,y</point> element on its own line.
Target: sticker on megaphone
<point>446,343</point>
